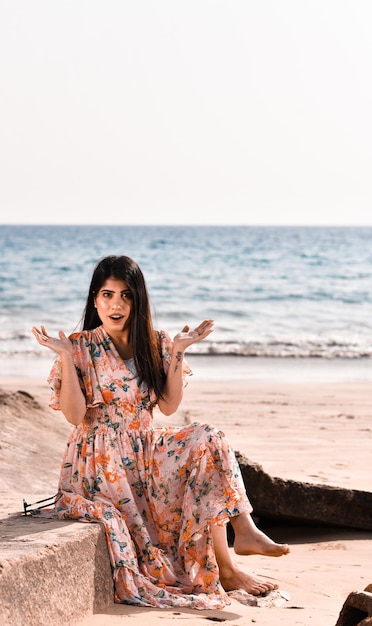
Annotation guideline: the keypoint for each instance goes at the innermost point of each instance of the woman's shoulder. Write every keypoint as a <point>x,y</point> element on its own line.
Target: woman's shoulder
<point>164,338</point>
<point>165,344</point>
<point>86,337</point>
<point>81,335</point>
<point>162,334</point>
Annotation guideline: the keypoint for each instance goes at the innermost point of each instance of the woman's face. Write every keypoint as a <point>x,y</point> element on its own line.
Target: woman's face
<point>114,305</point>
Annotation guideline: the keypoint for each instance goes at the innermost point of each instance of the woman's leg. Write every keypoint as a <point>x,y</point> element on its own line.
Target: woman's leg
<point>250,540</point>
<point>231,576</point>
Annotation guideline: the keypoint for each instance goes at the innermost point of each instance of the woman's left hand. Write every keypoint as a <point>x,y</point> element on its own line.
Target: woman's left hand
<point>187,337</point>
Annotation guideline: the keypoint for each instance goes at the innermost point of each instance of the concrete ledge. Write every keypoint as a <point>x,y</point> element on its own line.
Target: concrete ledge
<point>52,572</point>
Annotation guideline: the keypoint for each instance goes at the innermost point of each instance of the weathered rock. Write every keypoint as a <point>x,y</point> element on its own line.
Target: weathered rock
<point>302,502</point>
<point>357,609</point>
<point>18,401</point>
<point>52,572</point>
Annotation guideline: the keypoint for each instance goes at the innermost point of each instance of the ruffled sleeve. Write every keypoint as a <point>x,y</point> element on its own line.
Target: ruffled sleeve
<point>166,344</point>
<point>84,351</point>
<point>54,381</point>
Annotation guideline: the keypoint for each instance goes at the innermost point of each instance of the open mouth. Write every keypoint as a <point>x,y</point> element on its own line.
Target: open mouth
<point>116,318</point>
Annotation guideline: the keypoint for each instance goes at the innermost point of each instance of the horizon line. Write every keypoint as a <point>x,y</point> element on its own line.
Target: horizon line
<point>189,224</point>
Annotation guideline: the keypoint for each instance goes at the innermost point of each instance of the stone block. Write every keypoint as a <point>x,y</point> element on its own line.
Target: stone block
<point>59,583</point>
<point>357,609</point>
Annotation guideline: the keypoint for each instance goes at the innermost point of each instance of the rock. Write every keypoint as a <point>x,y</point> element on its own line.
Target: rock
<point>357,609</point>
<point>302,502</point>
<point>19,402</point>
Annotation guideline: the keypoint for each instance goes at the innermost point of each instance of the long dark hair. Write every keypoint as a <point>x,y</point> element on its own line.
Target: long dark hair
<point>144,340</point>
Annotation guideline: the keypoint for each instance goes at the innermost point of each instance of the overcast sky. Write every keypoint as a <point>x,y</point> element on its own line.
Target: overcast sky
<point>194,111</point>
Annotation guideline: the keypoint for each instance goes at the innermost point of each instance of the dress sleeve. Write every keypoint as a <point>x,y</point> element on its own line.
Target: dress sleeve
<point>54,381</point>
<point>85,369</point>
<point>166,344</point>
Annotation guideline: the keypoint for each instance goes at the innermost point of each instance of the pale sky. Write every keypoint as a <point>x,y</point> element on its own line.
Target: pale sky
<point>186,112</point>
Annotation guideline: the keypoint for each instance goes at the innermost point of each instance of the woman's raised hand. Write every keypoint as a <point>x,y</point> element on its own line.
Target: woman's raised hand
<point>187,337</point>
<point>60,345</point>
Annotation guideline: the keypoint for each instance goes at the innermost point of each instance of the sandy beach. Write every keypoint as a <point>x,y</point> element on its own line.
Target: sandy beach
<point>320,432</point>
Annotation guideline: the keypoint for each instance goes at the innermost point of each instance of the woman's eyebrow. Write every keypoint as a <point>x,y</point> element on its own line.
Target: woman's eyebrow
<point>111,291</point>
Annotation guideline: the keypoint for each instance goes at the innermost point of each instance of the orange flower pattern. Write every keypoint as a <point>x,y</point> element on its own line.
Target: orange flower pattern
<point>156,490</point>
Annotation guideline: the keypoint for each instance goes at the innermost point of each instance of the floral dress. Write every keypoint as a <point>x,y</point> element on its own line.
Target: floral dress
<point>156,490</point>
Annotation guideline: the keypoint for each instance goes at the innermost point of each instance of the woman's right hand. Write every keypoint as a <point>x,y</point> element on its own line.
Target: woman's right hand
<point>60,345</point>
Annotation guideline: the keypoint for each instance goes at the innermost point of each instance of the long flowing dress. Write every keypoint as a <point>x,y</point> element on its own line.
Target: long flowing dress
<point>156,490</point>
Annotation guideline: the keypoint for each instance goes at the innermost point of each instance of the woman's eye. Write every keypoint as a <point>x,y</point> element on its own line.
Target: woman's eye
<point>127,295</point>
<point>106,294</point>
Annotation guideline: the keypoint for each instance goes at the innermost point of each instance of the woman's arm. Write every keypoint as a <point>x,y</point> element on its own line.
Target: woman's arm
<point>72,400</point>
<point>173,388</point>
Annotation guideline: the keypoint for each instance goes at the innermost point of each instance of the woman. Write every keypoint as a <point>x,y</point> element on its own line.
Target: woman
<point>163,494</point>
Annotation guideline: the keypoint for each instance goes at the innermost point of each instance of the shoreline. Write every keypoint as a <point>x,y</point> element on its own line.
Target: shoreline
<point>217,367</point>
<point>286,369</point>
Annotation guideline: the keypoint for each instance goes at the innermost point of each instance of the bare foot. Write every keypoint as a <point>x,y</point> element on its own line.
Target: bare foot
<point>250,540</point>
<point>260,544</point>
<point>236,579</point>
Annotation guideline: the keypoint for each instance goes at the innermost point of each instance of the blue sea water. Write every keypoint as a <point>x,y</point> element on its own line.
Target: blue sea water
<point>272,291</point>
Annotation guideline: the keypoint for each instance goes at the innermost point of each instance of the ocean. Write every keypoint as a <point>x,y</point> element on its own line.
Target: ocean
<point>278,295</point>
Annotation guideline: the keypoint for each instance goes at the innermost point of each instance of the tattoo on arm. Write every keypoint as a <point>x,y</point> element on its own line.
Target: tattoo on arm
<point>178,359</point>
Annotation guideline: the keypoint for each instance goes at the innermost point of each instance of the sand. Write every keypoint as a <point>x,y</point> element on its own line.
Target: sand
<point>319,432</point>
